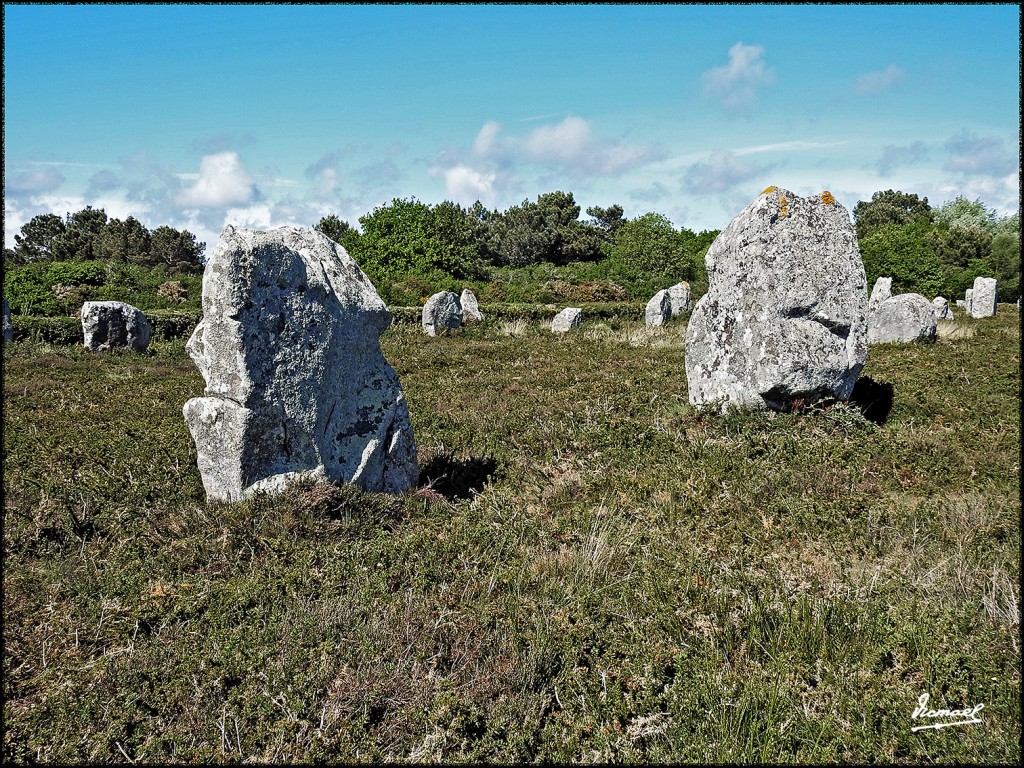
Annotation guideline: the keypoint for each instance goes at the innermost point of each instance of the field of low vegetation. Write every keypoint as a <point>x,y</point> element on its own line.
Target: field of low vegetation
<point>590,569</point>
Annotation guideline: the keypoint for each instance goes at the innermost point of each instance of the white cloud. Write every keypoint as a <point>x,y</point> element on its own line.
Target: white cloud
<point>736,84</point>
<point>894,155</point>
<point>970,153</point>
<point>486,140</point>
<point>797,145</point>
<point>466,185</point>
<point>32,182</point>
<point>873,82</point>
<point>223,181</point>
<point>721,172</point>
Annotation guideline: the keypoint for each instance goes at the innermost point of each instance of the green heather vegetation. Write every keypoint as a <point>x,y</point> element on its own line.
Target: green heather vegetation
<point>591,569</point>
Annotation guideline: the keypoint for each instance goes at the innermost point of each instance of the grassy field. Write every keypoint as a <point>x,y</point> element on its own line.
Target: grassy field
<point>591,570</point>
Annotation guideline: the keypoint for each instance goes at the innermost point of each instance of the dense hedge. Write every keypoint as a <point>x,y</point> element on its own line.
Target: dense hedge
<point>178,324</point>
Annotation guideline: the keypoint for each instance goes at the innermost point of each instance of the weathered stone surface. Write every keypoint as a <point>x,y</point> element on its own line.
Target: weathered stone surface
<point>441,314</point>
<point>881,291</point>
<point>784,316</point>
<point>107,324</point>
<point>8,328</point>
<point>902,318</point>
<point>961,303</point>
<point>567,320</point>
<point>983,300</point>
<point>941,307</point>
<point>968,300</point>
<point>680,297</point>
<point>659,309</point>
<point>470,307</point>
<point>296,383</point>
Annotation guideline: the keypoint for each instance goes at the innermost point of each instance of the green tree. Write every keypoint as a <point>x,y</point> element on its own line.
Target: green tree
<point>649,254</point>
<point>36,241</point>
<point>963,213</point>
<point>608,220</point>
<point>889,207</point>
<point>126,241</point>
<point>905,254</point>
<point>548,230</point>
<point>176,250</point>
<point>81,230</point>
<point>340,231</point>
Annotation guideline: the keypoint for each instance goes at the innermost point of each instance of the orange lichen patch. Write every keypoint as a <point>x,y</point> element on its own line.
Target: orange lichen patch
<point>783,206</point>
<point>826,198</point>
<point>768,189</point>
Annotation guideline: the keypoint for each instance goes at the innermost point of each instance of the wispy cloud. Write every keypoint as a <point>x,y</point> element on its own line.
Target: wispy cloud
<point>788,146</point>
<point>324,174</point>
<point>32,182</point>
<point>873,82</point>
<point>973,154</point>
<point>736,84</point>
<point>894,155</point>
<point>720,173</point>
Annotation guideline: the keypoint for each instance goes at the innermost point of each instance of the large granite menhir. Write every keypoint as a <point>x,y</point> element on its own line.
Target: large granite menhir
<point>983,297</point>
<point>296,383</point>
<point>784,316</point>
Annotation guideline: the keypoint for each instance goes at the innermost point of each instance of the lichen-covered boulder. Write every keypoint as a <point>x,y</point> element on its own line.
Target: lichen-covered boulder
<point>941,307</point>
<point>441,314</point>
<point>8,328</point>
<point>680,297</point>
<point>659,309</point>
<point>567,320</point>
<point>881,291</point>
<point>983,297</point>
<point>296,383</point>
<point>784,316</point>
<point>903,318</point>
<point>108,324</point>
<point>470,307</point>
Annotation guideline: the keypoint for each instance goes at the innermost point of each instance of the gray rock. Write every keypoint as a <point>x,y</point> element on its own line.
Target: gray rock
<point>902,318</point>
<point>470,307</point>
<point>784,316</point>
<point>659,309</point>
<point>441,314</point>
<point>961,303</point>
<point>296,383</point>
<point>941,307</point>
<point>880,292</point>
<point>568,319</point>
<point>983,300</point>
<point>108,324</point>
<point>680,296</point>
<point>968,300</point>
<point>8,328</point>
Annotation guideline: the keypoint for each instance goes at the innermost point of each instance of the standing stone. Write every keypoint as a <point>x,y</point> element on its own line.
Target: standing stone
<point>296,383</point>
<point>568,319</point>
<point>442,313</point>
<point>941,307</point>
<point>8,328</point>
<point>680,296</point>
<point>784,316</point>
<point>983,300</point>
<point>659,309</point>
<point>470,307</point>
<point>881,292</point>
<point>108,324</point>
<point>968,300</point>
<point>902,318</point>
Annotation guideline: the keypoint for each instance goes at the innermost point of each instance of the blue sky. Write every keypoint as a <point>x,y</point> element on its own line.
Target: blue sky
<point>201,115</point>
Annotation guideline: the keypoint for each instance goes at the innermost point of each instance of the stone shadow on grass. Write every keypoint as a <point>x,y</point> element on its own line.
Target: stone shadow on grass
<point>456,478</point>
<point>872,398</point>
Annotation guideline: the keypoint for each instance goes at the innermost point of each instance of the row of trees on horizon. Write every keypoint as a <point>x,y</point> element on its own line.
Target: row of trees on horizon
<point>411,249</point>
